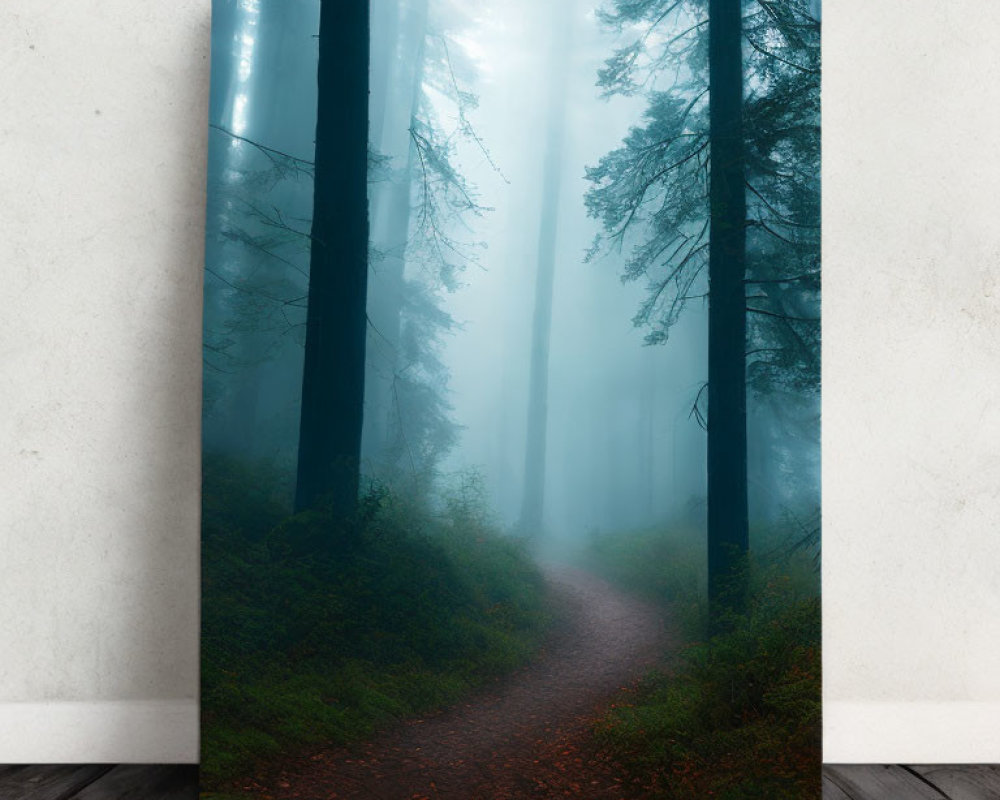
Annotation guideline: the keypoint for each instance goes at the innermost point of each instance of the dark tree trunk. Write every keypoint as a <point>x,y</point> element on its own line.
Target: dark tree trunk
<point>533,499</point>
<point>728,538</point>
<point>334,370</point>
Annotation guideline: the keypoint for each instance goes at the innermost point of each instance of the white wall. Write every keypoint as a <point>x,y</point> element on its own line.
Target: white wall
<point>911,412</point>
<point>101,258</point>
<point>103,115</point>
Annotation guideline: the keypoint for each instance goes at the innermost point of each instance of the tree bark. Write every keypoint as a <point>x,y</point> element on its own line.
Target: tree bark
<point>728,537</point>
<point>336,323</point>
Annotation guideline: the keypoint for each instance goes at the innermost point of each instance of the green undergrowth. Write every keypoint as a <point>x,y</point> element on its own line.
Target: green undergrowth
<point>734,716</point>
<point>304,643</point>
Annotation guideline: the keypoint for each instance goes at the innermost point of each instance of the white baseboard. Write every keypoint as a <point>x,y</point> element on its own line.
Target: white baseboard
<point>114,732</point>
<point>167,732</point>
<point>911,733</point>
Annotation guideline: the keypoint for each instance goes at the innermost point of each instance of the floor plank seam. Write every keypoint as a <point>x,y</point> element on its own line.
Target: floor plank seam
<point>935,787</point>
<point>69,794</point>
<point>835,780</point>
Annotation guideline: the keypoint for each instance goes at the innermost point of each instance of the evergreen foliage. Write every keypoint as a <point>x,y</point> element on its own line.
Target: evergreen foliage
<point>651,193</point>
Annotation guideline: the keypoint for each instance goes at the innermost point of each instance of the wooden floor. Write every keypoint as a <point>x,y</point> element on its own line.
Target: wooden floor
<point>180,782</point>
<point>99,782</point>
<point>900,782</point>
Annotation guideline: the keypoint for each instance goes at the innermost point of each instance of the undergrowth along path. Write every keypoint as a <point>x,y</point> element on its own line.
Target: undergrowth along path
<point>528,736</point>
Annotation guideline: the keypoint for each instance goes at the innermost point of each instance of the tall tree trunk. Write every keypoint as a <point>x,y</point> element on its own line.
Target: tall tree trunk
<point>646,431</point>
<point>759,492</point>
<point>384,41</point>
<point>533,499</point>
<point>728,538</point>
<point>392,218</point>
<point>336,324</point>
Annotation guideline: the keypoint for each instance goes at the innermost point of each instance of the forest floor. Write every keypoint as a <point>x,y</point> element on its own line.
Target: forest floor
<point>527,736</point>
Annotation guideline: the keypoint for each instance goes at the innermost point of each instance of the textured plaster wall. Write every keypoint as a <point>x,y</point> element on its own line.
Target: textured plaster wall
<point>911,384</point>
<point>103,114</point>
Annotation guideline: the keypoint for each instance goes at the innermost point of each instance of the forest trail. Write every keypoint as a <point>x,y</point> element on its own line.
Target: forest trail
<point>528,736</point>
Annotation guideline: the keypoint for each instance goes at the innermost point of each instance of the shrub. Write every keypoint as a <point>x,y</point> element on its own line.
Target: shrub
<point>303,645</point>
<point>738,715</point>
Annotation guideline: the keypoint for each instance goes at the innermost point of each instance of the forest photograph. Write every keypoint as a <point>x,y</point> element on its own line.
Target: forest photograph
<point>511,400</point>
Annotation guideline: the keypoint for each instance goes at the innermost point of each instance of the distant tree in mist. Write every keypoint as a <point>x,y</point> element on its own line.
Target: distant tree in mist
<point>336,324</point>
<point>254,294</point>
<point>399,45</point>
<point>716,196</point>
<point>533,499</point>
<point>257,235</point>
<point>419,208</point>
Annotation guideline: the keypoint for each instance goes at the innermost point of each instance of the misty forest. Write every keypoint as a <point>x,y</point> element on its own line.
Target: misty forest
<point>511,400</point>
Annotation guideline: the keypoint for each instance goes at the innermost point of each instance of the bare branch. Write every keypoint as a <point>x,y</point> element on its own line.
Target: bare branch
<point>696,411</point>
<point>805,276</point>
<point>776,57</point>
<point>783,316</point>
<point>261,147</point>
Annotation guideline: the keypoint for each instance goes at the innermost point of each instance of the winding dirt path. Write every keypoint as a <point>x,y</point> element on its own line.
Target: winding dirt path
<point>526,737</point>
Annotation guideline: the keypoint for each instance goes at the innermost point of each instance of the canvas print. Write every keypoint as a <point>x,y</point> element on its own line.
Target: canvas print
<point>511,400</point>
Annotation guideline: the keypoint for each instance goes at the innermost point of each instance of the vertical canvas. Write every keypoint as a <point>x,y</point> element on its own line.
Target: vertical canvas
<point>511,400</point>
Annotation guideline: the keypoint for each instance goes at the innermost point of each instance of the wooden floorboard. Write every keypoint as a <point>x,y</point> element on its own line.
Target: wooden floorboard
<point>964,781</point>
<point>903,782</point>
<point>99,782</point>
<point>880,782</point>
<point>180,782</point>
<point>49,781</point>
<point>7,769</point>
<point>832,791</point>
<point>140,782</point>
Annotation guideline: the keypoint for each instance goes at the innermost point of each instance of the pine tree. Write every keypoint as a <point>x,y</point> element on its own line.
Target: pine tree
<point>336,324</point>
<point>728,524</point>
<point>716,196</point>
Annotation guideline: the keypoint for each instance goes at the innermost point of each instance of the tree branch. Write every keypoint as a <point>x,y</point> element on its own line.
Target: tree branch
<point>261,147</point>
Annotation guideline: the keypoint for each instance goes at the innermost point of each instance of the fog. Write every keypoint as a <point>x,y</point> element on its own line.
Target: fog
<point>484,118</point>
<point>511,365</point>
